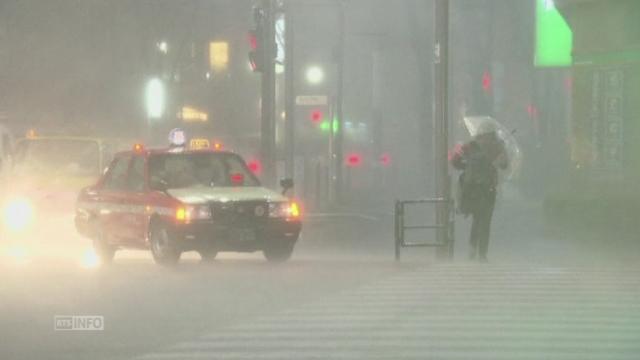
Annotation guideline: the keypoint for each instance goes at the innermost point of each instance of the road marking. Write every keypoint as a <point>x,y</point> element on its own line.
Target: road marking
<point>447,312</point>
<point>335,215</point>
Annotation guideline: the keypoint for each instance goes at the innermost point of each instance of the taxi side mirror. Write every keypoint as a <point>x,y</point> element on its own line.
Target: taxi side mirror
<point>286,184</point>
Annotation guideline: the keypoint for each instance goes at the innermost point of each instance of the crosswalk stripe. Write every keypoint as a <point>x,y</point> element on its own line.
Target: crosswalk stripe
<point>447,312</point>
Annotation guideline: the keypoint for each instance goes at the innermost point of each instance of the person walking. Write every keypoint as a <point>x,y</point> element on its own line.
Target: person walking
<point>479,159</point>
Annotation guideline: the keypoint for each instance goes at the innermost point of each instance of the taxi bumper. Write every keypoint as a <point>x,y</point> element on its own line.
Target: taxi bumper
<point>237,237</point>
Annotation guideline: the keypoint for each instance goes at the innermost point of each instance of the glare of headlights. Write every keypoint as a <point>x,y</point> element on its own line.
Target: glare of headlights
<point>18,255</point>
<point>90,260</point>
<point>18,214</point>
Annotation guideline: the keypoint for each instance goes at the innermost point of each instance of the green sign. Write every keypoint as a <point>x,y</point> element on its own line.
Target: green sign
<point>554,38</point>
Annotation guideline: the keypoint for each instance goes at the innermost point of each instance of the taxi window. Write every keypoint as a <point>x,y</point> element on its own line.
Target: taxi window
<point>176,171</point>
<point>117,176</point>
<point>136,175</point>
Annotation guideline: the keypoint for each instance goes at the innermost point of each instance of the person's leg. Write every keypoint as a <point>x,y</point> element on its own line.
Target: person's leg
<point>475,235</point>
<point>484,224</point>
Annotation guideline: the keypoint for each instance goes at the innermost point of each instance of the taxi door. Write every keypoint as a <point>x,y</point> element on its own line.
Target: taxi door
<point>133,220</point>
<point>111,198</point>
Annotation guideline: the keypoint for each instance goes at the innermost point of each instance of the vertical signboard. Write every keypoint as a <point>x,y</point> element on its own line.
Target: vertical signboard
<point>607,120</point>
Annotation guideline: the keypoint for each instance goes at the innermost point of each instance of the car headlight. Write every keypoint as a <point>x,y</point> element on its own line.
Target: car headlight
<point>286,210</point>
<point>193,212</point>
<point>18,254</point>
<point>18,214</point>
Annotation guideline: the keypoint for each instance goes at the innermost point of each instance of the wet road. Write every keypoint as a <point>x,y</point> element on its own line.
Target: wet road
<point>340,297</point>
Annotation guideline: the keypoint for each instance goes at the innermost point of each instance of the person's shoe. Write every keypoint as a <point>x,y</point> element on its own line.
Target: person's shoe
<point>483,259</point>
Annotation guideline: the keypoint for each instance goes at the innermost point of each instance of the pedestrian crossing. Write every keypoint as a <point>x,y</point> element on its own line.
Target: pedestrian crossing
<point>465,311</point>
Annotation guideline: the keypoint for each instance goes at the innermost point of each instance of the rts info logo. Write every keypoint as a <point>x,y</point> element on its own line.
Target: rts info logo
<point>78,323</point>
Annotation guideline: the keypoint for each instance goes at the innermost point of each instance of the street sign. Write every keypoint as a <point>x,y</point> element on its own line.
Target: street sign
<point>311,100</point>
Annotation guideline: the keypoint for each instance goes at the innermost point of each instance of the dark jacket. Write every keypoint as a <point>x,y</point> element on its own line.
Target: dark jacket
<point>480,158</point>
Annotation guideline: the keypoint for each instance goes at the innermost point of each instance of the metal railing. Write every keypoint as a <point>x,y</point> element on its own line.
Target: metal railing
<point>401,228</point>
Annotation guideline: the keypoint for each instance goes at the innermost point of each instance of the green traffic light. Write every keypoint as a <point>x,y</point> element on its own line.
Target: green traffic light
<point>326,126</point>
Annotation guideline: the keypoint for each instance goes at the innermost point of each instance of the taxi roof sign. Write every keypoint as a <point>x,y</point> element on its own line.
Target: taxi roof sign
<point>199,143</point>
<point>177,137</point>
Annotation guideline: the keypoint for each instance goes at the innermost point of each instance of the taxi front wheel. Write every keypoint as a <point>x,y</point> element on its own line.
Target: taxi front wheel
<point>208,254</point>
<point>162,245</point>
<point>278,252</point>
<point>103,250</point>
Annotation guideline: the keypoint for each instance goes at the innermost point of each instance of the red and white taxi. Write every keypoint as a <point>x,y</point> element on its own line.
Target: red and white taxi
<point>176,200</point>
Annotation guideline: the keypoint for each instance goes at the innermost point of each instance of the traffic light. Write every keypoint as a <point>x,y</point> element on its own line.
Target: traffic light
<point>256,54</point>
<point>256,38</point>
<point>486,82</point>
<point>385,159</point>
<point>316,116</point>
<point>353,160</point>
<point>262,41</point>
<point>255,166</point>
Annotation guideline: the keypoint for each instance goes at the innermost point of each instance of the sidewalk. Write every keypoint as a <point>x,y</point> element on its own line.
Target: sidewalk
<point>518,236</point>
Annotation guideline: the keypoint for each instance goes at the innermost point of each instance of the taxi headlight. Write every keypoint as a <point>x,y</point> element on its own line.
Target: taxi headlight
<point>194,212</point>
<point>18,214</point>
<point>287,210</point>
<point>18,254</point>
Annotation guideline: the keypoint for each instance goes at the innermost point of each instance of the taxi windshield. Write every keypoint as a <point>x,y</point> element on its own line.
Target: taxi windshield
<point>182,170</point>
<point>75,157</point>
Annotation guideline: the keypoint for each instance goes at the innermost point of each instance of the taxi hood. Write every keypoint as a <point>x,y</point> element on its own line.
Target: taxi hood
<point>205,194</point>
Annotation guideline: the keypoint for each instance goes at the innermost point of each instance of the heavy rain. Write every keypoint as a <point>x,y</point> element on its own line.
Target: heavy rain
<point>319,179</point>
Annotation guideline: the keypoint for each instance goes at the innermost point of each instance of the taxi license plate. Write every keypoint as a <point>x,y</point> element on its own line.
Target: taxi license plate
<point>243,235</point>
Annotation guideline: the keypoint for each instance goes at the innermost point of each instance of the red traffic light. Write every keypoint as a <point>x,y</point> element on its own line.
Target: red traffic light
<point>385,159</point>
<point>253,39</point>
<point>486,81</point>
<point>354,160</point>
<point>237,179</point>
<point>316,116</point>
<point>255,166</point>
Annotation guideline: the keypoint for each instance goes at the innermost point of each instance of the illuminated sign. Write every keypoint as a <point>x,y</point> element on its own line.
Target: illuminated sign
<point>191,114</point>
<point>199,143</point>
<point>554,38</point>
<point>218,55</point>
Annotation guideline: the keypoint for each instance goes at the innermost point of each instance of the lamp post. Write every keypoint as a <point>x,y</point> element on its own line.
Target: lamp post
<point>155,102</point>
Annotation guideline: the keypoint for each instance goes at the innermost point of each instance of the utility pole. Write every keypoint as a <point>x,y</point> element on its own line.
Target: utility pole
<point>441,121</point>
<point>290,126</point>
<point>268,128</point>
<point>337,121</point>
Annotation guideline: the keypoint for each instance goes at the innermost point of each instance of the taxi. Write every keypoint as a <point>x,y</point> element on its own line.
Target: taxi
<point>179,199</point>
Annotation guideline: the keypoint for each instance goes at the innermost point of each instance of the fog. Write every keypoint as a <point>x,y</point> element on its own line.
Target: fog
<point>88,84</point>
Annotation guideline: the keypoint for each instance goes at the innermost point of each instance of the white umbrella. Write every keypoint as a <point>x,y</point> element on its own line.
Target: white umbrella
<point>473,123</point>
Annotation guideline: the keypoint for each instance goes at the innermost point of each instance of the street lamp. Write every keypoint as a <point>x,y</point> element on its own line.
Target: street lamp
<point>155,98</point>
<point>163,47</point>
<point>315,75</point>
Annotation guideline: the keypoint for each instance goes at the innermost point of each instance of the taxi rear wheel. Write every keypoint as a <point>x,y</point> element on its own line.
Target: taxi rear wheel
<point>162,246</point>
<point>279,252</point>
